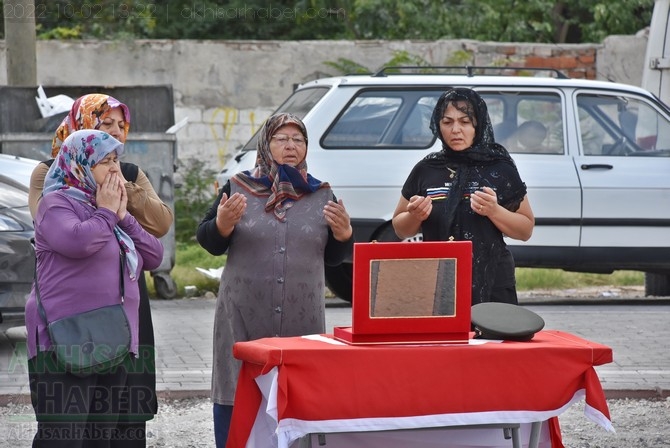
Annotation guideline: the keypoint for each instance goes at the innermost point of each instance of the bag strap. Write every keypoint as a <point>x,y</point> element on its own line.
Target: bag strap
<point>130,171</point>
<point>40,307</point>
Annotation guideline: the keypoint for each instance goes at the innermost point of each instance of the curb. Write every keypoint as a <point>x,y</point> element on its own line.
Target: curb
<point>637,394</point>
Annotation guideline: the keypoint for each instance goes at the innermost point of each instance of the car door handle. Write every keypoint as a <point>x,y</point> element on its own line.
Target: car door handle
<point>596,166</point>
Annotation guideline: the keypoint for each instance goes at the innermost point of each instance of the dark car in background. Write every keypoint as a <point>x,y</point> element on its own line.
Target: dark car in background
<point>17,255</point>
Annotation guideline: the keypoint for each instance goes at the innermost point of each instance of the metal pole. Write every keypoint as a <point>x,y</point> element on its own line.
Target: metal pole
<point>20,42</point>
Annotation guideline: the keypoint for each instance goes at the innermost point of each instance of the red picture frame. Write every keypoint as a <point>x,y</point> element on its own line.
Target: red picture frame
<point>391,281</point>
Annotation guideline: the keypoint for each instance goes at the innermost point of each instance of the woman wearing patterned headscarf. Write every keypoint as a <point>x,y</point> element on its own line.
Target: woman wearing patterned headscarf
<point>470,190</point>
<point>279,226</point>
<point>105,113</point>
<point>82,231</point>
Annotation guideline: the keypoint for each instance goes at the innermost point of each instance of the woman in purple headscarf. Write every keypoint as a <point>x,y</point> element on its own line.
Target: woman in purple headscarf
<point>83,234</point>
<point>105,113</point>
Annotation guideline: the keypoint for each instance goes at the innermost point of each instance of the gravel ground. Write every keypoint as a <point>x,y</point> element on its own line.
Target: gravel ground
<point>188,423</point>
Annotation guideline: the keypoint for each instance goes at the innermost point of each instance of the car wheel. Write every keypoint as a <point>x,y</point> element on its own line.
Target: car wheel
<point>339,280</point>
<point>164,285</point>
<point>656,284</point>
<point>387,234</point>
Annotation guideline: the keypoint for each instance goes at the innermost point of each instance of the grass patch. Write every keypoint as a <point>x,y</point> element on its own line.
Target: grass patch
<point>187,258</point>
<point>536,278</point>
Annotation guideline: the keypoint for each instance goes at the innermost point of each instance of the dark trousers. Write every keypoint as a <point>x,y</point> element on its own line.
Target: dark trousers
<point>504,287</point>
<point>135,402</point>
<point>222,417</point>
<point>80,412</point>
<point>142,368</point>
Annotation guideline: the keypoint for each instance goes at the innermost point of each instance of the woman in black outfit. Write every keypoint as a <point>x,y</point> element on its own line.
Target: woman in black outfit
<point>470,190</point>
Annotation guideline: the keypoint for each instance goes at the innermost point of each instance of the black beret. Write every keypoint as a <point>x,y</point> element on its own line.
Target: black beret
<point>493,320</point>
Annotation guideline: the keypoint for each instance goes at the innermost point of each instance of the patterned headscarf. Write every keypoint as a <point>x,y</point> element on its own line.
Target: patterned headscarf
<point>88,112</point>
<point>72,174</point>
<point>484,149</point>
<point>283,184</point>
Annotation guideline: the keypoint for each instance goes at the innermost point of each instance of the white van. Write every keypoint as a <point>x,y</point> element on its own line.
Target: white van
<point>594,155</point>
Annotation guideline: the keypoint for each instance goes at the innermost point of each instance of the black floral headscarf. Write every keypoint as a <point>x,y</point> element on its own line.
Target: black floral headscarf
<point>283,184</point>
<point>484,150</point>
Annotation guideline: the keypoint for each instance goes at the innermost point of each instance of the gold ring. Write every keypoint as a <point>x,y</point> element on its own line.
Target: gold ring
<point>480,208</point>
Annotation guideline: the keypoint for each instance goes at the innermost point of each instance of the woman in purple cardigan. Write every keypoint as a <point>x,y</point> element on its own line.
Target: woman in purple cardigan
<point>82,228</point>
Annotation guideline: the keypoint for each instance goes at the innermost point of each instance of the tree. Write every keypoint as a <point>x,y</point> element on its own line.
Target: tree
<point>545,21</point>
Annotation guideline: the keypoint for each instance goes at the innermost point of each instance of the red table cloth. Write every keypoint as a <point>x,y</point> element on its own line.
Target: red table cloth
<point>320,382</point>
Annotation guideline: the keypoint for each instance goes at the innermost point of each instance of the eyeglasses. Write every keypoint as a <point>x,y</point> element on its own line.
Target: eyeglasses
<point>283,139</point>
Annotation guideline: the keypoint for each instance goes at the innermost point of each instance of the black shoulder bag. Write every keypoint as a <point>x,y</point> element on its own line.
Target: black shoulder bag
<point>91,342</point>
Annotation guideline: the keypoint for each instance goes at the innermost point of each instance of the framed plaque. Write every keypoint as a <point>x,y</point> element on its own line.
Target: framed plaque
<point>410,293</point>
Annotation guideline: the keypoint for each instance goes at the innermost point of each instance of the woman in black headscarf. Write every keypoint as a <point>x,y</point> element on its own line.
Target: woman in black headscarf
<point>470,190</point>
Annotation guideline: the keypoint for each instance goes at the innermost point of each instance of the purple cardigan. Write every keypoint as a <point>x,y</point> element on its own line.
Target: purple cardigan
<point>78,264</point>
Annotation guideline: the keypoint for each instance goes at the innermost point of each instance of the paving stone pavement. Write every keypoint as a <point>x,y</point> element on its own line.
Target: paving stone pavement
<point>638,335</point>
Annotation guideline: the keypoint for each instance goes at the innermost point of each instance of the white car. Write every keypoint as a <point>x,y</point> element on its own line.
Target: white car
<point>17,168</point>
<point>594,155</point>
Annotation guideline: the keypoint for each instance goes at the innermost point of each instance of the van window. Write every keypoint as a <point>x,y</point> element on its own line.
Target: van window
<point>384,119</point>
<point>527,122</point>
<point>621,126</point>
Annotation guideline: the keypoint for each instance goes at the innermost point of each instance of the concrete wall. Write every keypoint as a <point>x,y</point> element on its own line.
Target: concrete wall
<point>227,88</point>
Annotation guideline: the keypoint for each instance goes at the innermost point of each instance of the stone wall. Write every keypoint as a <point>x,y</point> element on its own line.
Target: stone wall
<point>227,88</point>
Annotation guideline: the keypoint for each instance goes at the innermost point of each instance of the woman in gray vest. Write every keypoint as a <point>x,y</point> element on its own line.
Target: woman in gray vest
<point>279,226</point>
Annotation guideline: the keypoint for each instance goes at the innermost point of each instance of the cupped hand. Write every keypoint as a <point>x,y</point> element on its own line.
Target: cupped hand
<point>229,212</point>
<point>420,207</point>
<point>123,206</point>
<point>108,194</point>
<point>484,202</point>
<point>338,219</point>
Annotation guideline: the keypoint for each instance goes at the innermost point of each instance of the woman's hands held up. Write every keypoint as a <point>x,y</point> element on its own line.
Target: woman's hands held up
<point>112,195</point>
<point>518,225</point>
<point>409,214</point>
<point>485,202</point>
<point>419,207</point>
<point>229,212</point>
<point>338,220</point>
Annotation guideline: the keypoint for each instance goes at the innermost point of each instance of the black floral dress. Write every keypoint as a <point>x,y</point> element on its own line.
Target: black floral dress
<point>449,177</point>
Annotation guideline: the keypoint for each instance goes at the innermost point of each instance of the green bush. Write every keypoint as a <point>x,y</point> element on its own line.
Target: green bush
<point>194,195</point>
